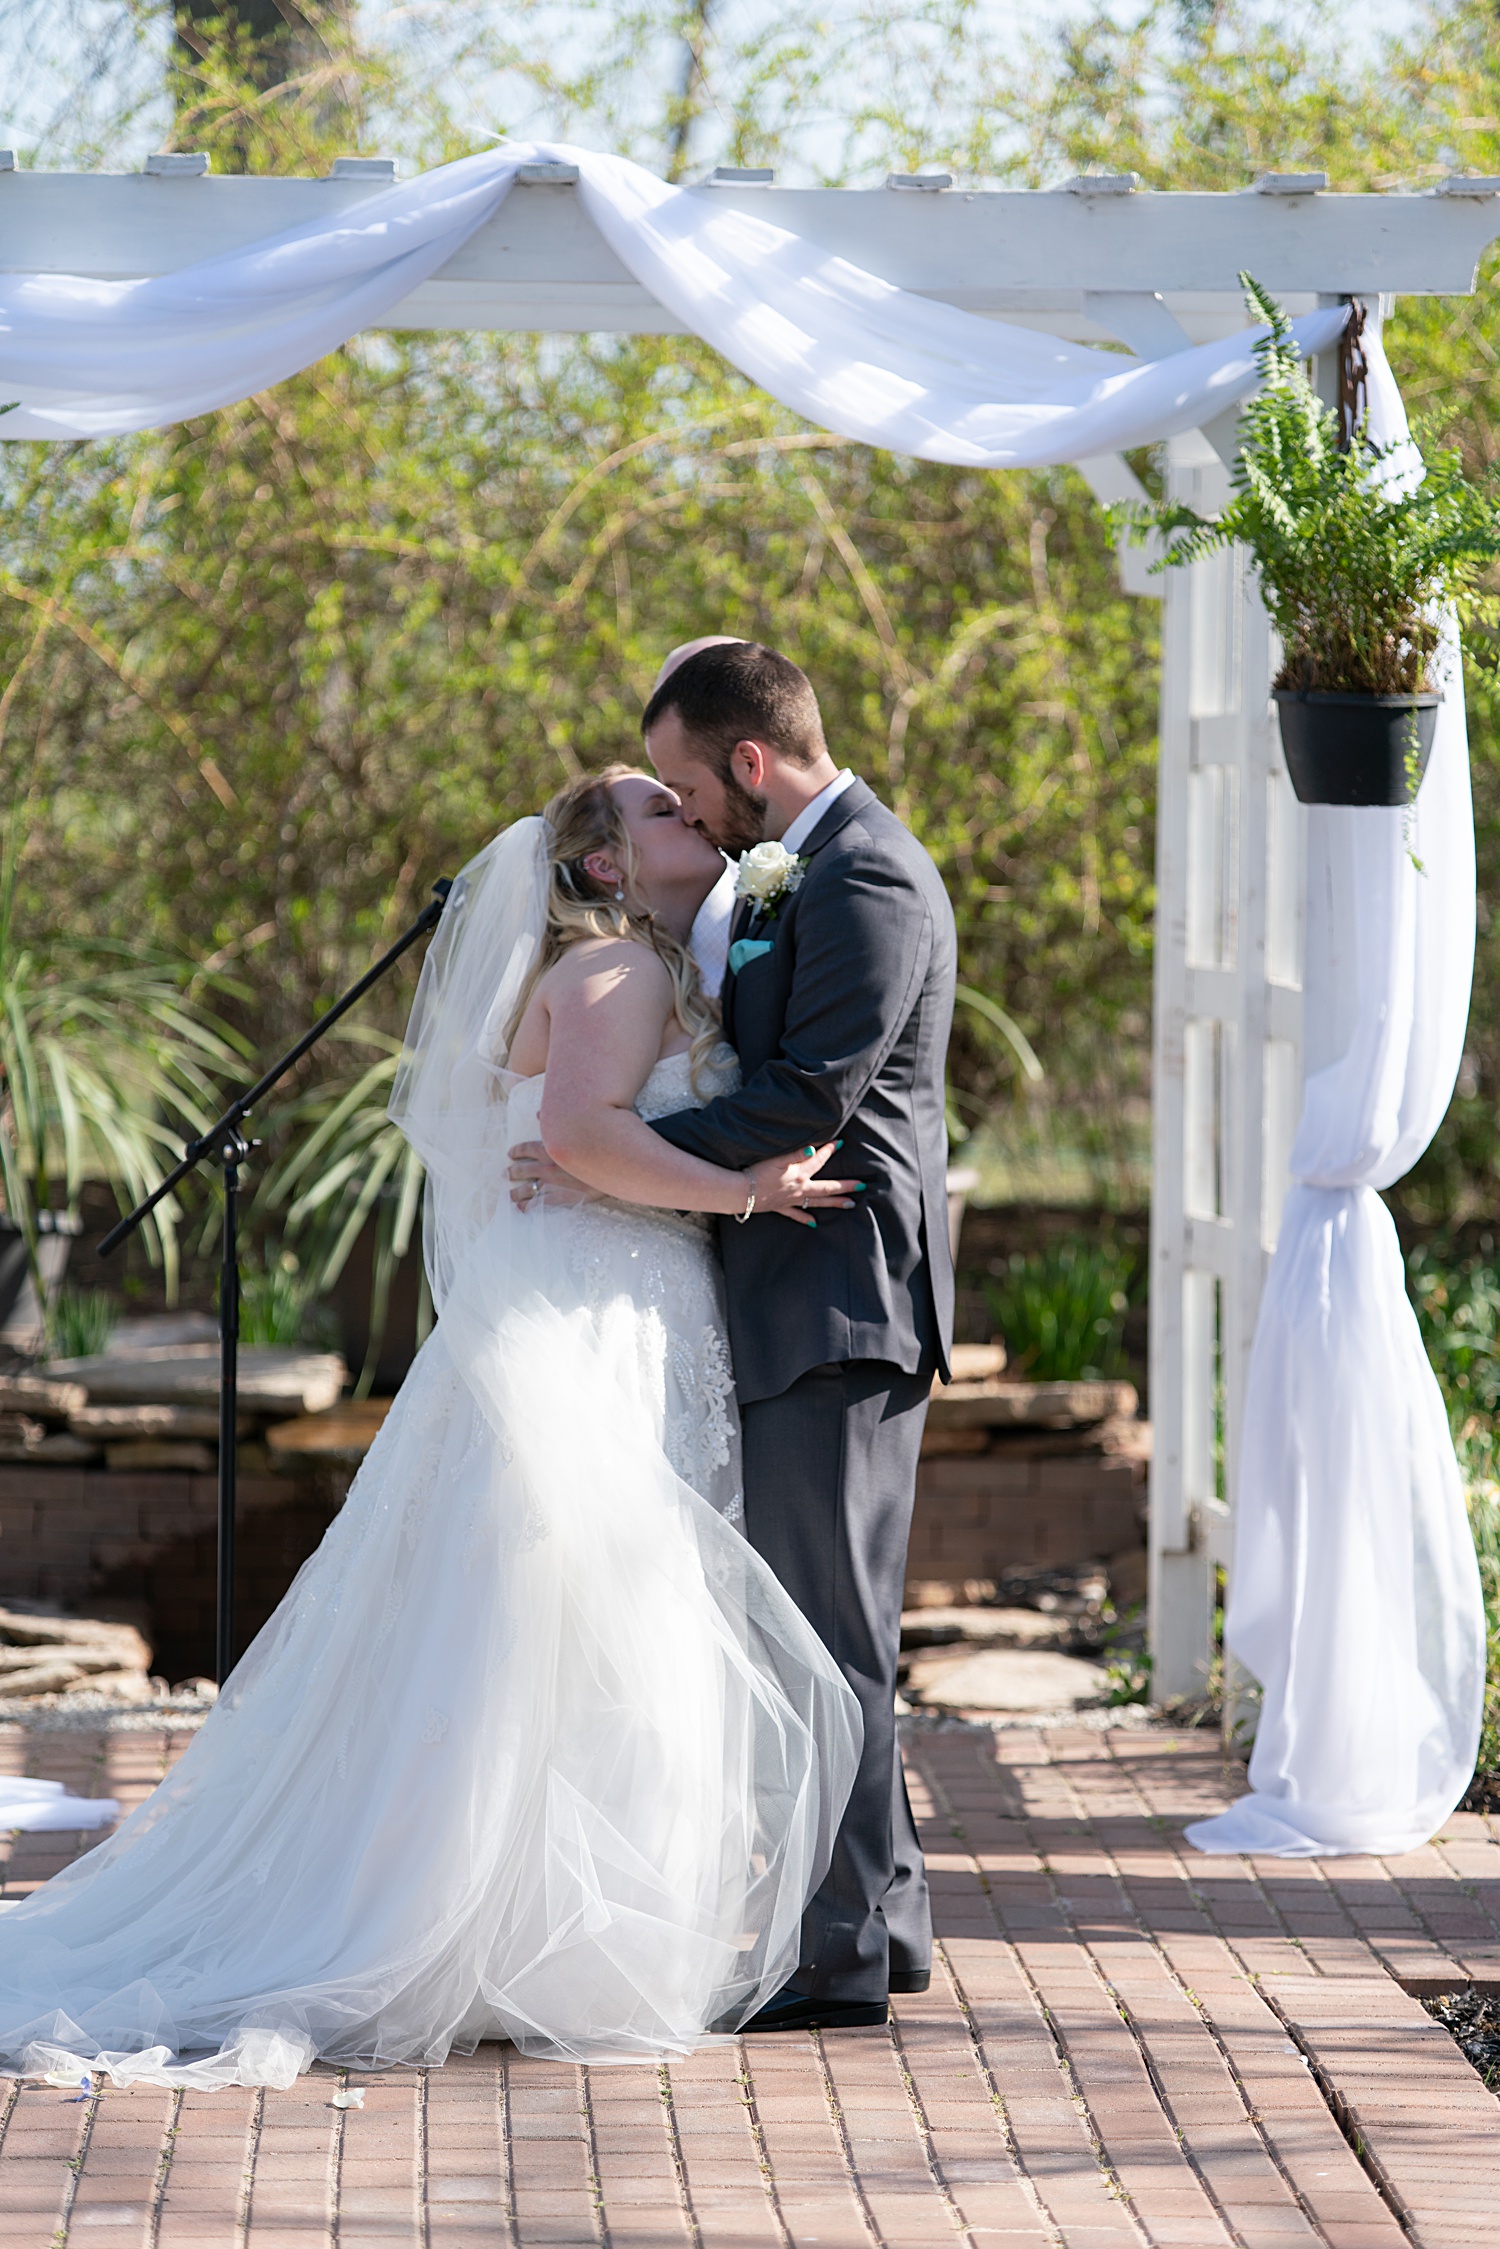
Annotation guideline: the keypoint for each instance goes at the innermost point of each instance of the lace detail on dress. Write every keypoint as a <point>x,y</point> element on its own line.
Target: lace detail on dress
<point>670,1085</point>
<point>701,1448</point>
<point>702,1436</point>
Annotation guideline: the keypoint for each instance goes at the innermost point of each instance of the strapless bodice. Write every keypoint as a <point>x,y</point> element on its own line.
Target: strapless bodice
<point>669,1087</point>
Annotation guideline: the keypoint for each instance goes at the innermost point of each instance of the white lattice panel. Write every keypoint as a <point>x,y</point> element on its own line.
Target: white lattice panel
<point>1228,1059</point>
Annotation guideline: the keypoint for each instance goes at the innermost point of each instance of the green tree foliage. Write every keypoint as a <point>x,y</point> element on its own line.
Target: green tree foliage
<point>276,669</point>
<point>284,666</point>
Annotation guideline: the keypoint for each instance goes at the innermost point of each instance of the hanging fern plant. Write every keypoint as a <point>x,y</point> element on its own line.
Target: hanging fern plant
<point>1361,549</point>
<point>1358,547</point>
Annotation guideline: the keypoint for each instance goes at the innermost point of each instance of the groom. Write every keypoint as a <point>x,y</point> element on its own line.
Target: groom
<point>838,998</point>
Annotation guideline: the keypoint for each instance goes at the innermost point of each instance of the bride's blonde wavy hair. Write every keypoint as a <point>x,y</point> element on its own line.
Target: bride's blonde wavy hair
<point>586,817</point>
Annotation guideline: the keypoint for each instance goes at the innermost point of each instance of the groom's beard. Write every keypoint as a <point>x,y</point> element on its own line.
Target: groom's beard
<point>742,824</point>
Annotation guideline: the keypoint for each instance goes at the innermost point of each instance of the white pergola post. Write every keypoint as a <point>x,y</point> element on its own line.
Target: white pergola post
<point>1096,261</point>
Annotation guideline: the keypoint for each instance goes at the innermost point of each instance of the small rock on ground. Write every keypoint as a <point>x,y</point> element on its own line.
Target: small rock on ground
<point>1005,1679</point>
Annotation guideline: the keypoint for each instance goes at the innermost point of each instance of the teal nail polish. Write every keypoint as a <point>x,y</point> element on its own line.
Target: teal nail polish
<point>858,1188</point>
<point>812,1222</point>
<point>837,1145</point>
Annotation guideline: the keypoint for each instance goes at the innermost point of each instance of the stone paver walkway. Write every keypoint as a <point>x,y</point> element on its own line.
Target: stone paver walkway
<point>1125,2044</point>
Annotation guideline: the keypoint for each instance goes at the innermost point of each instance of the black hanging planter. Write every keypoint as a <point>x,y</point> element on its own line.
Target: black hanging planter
<point>1356,749</point>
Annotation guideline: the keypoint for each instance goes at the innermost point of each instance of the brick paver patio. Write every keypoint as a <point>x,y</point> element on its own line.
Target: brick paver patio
<point>1124,2044</point>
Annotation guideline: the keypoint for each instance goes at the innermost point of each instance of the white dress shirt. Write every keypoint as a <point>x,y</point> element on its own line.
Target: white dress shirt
<point>798,830</point>
<point>708,939</point>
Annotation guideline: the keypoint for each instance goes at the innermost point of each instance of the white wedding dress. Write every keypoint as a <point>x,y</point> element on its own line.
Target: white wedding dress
<point>535,1747</point>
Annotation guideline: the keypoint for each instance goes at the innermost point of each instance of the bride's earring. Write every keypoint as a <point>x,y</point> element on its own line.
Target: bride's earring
<point>619,897</point>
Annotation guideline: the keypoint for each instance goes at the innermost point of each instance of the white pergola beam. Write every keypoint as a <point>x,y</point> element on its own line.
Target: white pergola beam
<point>1143,321</point>
<point>541,264</point>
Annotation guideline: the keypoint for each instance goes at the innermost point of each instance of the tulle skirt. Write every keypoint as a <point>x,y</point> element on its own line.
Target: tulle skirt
<point>535,1747</point>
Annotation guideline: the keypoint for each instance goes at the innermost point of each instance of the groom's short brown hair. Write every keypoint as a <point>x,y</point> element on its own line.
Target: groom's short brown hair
<point>742,692</point>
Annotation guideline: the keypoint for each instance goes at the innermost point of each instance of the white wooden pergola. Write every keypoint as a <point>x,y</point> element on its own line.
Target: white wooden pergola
<point>1096,261</point>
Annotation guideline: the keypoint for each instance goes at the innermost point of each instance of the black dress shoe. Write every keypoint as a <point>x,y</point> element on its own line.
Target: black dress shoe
<point>793,2010</point>
<point>911,1979</point>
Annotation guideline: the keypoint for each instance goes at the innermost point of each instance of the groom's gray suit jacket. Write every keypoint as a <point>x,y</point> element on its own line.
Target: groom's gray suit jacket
<point>842,1030</point>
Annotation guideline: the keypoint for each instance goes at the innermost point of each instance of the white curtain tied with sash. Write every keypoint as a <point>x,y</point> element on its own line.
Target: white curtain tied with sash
<point>1355,1598</point>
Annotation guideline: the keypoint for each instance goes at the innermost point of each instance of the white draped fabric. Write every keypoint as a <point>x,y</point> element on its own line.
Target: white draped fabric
<point>44,1807</point>
<point>1355,1597</point>
<point>89,358</point>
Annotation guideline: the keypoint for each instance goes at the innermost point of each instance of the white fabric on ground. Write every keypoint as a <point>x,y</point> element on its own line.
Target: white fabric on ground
<point>91,358</point>
<point>1355,1597</point>
<point>45,1807</point>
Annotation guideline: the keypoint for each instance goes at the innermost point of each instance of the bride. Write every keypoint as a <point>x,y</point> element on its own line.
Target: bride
<point>535,1747</point>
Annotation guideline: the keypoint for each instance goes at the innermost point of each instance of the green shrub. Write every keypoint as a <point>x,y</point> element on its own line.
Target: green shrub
<point>83,1321</point>
<point>1458,1311</point>
<point>341,1162</point>
<point>273,1300</point>
<point>109,1057</point>
<point>1476,1448</point>
<point>1062,1312</point>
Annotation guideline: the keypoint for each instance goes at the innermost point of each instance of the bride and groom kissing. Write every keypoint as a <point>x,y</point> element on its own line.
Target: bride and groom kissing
<point>578,1728</point>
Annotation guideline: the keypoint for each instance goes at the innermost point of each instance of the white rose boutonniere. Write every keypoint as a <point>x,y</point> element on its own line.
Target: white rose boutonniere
<point>768,873</point>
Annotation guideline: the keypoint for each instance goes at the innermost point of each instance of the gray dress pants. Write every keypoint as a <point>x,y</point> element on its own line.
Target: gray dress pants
<point>830,1476</point>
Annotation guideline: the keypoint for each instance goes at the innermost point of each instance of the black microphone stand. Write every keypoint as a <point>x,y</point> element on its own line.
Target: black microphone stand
<point>225,1143</point>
